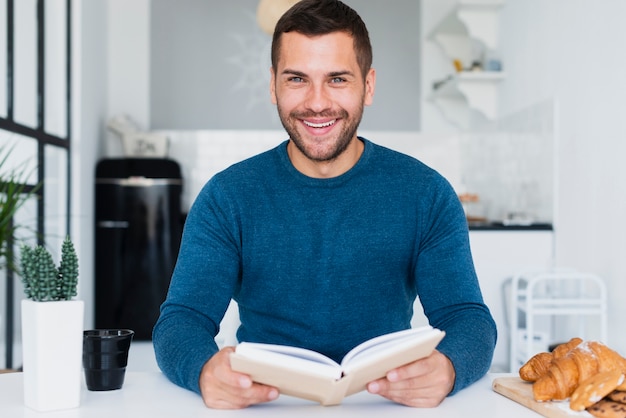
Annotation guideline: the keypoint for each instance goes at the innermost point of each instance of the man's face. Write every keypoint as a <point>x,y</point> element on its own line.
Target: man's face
<point>320,93</point>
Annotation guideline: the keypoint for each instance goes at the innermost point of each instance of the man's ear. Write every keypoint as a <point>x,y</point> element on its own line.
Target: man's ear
<point>273,85</point>
<point>370,85</point>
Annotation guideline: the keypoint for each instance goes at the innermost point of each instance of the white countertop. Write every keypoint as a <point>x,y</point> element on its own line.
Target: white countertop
<point>150,394</point>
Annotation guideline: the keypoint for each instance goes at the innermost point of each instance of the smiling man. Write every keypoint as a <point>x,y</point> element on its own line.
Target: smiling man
<point>320,92</point>
<point>326,240</point>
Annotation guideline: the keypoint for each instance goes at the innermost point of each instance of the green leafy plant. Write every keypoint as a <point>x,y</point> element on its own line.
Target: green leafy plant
<point>14,192</point>
<point>42,280</point>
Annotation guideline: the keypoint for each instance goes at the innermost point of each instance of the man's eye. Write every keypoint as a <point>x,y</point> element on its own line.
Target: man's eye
<point>337,80</point>
<point>296,79</point>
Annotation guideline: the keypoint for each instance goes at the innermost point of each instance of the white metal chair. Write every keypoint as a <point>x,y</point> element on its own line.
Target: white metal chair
<point>553,293</point>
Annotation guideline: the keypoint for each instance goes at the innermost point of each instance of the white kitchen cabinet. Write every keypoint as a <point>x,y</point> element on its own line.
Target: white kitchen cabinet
<point>468,33</point>
<point>498,255</point>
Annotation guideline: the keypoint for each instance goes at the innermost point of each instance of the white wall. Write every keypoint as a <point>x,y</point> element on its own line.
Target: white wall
<point>435,66</point>
<point>571,50</point>
<point>89,101</point>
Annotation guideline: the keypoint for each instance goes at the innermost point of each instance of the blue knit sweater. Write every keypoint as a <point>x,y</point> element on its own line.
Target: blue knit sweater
<point>324,263</point>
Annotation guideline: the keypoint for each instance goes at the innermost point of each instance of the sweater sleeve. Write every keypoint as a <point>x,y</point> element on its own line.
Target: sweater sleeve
<point>200,290</point>
<point>449,291</point>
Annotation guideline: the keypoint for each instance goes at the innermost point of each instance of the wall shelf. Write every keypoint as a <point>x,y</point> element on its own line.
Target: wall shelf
<point>477,19</point>
<point>468,33</point>
<point>466,91</point>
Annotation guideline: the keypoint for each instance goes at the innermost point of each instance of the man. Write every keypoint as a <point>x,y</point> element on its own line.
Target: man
<point>326,240</point>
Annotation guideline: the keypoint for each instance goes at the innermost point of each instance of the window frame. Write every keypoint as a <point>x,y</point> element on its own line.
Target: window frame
<point>43,139</point>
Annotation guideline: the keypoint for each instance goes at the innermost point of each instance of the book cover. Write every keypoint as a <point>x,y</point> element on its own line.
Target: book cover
<point>311,375</point>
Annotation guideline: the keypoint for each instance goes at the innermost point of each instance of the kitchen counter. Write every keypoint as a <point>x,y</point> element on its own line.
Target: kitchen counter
<point>502,226</point>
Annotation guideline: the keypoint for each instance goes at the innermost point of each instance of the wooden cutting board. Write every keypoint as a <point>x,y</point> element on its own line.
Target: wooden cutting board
<point>521,392</point>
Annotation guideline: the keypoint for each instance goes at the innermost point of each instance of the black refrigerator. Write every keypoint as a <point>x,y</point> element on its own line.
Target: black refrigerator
<point>138,230</point>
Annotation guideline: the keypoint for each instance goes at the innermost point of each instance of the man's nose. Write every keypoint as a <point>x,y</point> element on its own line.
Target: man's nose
<point>318,98</point>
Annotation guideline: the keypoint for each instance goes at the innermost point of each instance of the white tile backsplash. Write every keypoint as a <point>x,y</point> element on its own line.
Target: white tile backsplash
<point>511,165</point>
<point>202,154</point>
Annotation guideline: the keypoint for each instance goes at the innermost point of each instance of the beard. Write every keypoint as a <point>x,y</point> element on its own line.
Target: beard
<point>335,146</point>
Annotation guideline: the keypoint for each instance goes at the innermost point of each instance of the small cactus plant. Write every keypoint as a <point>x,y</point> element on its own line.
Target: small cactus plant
<point>41,278</point>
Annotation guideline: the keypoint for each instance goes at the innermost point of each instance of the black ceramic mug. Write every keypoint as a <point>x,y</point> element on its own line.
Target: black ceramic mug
<point>105,356</point>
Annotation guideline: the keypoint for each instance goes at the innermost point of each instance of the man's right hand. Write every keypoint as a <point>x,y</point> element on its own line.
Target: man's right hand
<point>223,388</point>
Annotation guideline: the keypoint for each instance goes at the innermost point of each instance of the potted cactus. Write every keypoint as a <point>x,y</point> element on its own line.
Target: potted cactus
<point>52,328</point>
<point>41,278</point>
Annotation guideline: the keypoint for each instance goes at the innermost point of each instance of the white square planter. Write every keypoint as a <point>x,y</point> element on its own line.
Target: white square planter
<point>52,345</point>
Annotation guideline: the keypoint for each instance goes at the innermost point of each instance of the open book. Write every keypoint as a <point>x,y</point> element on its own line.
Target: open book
<point>310,375</point>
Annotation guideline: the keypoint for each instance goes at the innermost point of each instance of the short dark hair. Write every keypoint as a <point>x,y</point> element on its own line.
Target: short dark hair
<point>321,17</point>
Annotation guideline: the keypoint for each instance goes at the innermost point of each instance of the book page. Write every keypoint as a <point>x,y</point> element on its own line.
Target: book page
<point>292,382</point>
<point>376,361</point>
<point>295,358</point>
<point>370,347</point>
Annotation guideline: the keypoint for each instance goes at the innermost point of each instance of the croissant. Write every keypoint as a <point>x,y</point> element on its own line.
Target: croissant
<point>563,349</point>
<point>580,363</point>
<point>540,363</point>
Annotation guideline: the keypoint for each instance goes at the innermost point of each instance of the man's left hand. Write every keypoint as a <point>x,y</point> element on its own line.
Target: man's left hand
<point>424,383</point>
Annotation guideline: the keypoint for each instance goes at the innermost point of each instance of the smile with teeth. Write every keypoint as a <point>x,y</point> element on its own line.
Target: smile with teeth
<point>320,125</point>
